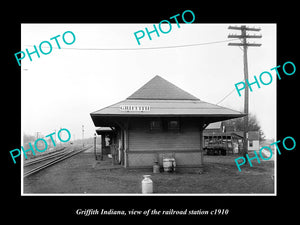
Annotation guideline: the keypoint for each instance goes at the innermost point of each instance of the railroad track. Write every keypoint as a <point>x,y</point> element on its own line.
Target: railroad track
<point>44,158</point>
<point>58,157</point>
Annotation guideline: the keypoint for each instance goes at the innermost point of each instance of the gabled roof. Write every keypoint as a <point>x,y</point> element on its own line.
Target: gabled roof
<point>161,89</point>
<point>161,98</point>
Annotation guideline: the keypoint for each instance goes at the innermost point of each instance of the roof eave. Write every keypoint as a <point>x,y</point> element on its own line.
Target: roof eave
<point>110,119</point>
<point>167,115</point>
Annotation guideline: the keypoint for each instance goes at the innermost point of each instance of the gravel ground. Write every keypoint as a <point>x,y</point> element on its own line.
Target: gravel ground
<point>82,174</point>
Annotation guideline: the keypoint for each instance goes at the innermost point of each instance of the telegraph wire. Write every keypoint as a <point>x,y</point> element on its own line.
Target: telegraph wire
<point>226,95</point>
<point>164,47</point>
<point>133,49</point>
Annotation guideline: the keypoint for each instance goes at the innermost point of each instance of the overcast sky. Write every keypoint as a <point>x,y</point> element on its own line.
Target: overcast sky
<point>61,89</point>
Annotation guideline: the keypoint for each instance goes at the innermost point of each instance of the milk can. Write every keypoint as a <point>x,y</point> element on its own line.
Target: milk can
<point>147,185</point>
<point>156,167</point>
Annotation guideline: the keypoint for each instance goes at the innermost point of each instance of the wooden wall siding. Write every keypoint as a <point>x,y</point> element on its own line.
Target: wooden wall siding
<point>142,139</point>
<point>188,159</point>
<point>183,159</point>
<point>141,160</point>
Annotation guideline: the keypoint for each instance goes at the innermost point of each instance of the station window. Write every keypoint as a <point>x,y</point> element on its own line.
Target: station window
<point>173,125</point>
<point>155,125</point>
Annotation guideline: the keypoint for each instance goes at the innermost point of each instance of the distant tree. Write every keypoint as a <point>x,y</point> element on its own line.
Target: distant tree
<point>253,125</point>
<point>28,138</point>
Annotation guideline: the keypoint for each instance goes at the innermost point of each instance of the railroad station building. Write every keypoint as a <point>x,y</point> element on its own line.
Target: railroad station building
<point>158,120</point>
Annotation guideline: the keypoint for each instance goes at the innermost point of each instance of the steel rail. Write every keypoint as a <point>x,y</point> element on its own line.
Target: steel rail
<point>48,164</point>
<point>46,157</point>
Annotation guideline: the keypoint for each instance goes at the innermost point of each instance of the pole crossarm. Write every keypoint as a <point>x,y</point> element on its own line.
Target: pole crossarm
<point>246,44</point>
<point>244,28</point>
<point>244,36</point>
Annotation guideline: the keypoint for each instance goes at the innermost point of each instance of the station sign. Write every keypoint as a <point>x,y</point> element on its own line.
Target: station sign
<point>135,108</point>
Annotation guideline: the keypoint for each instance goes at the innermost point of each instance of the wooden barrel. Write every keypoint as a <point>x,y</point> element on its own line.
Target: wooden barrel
<point>168,164</point>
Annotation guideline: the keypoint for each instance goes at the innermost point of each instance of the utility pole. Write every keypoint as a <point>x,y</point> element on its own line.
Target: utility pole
<point>95,144</point>
<point>37,134</point>
<point>243,37</point>
<point>60,141</point>
<point>82,135</point>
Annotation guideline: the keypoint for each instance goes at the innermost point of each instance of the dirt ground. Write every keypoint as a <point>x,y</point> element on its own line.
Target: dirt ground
<point>81,174</point>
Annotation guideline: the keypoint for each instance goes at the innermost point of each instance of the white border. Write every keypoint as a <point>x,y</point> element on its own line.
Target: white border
<point>156,194</point>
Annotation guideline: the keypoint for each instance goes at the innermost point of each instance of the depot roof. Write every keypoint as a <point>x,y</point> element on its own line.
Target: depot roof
<point>160,89</point>
<point>159,97</point>
<point>103,130</point>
